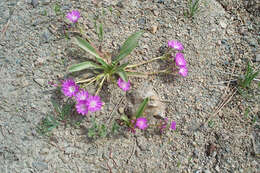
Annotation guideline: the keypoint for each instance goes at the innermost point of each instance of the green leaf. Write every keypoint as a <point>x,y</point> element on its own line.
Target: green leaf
<point>123,75</point>
<point>83,66</point>
<point>56,107</point>
<point>128,46</point>
<point>87,47</point>
<point>100,32</point>
<point>102,131</point>
<point>115,127</point>
<point>141,108</point>
<point>125,119</point>
<point>121,67</point>
<point>91,133</point>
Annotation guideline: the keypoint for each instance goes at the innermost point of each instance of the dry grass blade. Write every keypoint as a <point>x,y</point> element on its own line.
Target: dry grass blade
<point>225,101</point>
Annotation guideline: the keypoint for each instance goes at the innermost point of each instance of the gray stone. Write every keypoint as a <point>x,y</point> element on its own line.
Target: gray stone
<point>39,81</point>
<point>223,24</point>
<point>121,110</point>
<point>35,3</point>
<point>46,36</point>
<point>45,2</point>
<point>206,171</point>
<point>40,165</point>
<point>257,58</point>
<point>141,21</point>
<point>154,107</point>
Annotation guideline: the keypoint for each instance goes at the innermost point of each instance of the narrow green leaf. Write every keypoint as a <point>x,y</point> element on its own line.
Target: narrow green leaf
<point>125,119</point>
<point>123,75</point>
<point>83,66</point>
<point>56,106</point>
<point>101,32</point>
<point>141,108</point>
<point>121,67</point>
<point>128,46</point>
<point>115,127</point>
<point>87,47</point>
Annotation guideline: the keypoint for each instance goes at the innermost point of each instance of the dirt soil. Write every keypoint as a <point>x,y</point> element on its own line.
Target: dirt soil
<point>210,136</point>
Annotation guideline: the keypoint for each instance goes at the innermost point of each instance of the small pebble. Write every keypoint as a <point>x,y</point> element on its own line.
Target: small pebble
<point>154,29</point>
<point>34,3</point>
<point>223,24</point>
<point>155,12</point>
<point>206,171</point>
<point>257,58</point>
<point>121,110</point>
<point>45,2</point>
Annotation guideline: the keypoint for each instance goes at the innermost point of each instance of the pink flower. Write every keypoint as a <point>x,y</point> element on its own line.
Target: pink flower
<point>141,123</point>
<point>82,107</point>
<point>70,88</point>
<point>173,125</point>
<point>82,96</point>
<point>94,103</point>
<point>180,60</point>
<point>175,44</point>
<point>183,71</point>
<point>73,16</point>
<point>123,85</point>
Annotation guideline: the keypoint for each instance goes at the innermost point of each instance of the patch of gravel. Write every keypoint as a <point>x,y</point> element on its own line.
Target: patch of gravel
<point>33,53</point>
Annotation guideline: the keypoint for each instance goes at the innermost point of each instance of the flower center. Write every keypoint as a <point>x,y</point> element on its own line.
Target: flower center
<point>82,97</point>
<point>72,89</point>
<point>124,85</point>
<point>74,17</point>
<point>93,104</point>
<point>83,107</point>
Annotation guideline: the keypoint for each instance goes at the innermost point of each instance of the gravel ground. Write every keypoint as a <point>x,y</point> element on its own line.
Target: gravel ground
<point>218,41</point>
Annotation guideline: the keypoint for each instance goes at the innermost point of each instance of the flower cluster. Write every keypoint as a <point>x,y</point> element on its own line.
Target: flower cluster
<point>125,86</point>
<point>73,16</point>
<point>84,101</point>
<point>179,57</point>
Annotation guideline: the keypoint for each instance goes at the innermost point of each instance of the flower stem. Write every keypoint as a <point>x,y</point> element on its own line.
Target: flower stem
<point>86,80</point>
<point>100,85</point>
<point>145,62</point>
<point>150,73</point>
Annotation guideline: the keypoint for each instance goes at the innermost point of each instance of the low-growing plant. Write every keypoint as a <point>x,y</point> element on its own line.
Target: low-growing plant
<point>59,115</point>
<point>47,124</point>
<point>139,120</point>
<point>105,68</point>
<point>245,81</point>
<point>193,8</point>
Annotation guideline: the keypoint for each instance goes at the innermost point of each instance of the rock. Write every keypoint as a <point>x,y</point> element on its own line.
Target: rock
<point>39,81</point>
<point>154,29</point>
<point>206,171</point>
<point>35,3</point>
<point>141,21</point>
<point>257,58</point>
<point>160,1</point>
<point>154,107</point>
<point>197,171</point>
<point>217,168</point>
<point>46,36</point>
<point>39,61</point>
<point>40,165</point>
<point>45,2</point>
<point>146,35</point>
<point>256,143</point>
<point>121,110</point>
<point>120,4</point>
<point>156,12</point>
<point>223,24</point>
